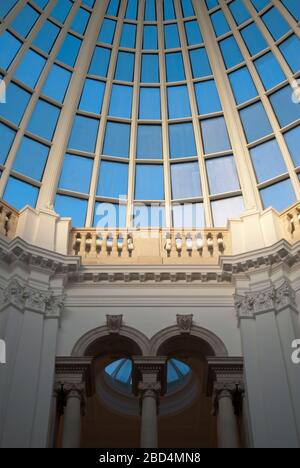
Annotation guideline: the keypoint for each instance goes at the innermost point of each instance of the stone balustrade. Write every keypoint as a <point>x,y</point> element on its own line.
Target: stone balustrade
<point>8,220</point>
<point>152,247</point>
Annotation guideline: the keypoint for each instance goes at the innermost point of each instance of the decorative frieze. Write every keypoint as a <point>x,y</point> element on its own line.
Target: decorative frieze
<point>258,302</point>
<point>25,297</point>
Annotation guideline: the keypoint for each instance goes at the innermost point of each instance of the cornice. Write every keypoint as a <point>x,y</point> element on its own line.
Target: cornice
<point>18,250</point>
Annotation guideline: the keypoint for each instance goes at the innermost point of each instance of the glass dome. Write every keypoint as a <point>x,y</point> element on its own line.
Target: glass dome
<point>163,113</point>
<point>120,371</point>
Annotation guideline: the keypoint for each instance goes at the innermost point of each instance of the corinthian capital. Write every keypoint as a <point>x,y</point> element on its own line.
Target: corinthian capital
<point>285,296</point>
<point>26,297</point>
<point>257,302</point>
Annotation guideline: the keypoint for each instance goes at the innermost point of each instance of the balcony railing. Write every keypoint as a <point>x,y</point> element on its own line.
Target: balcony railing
<point>150,246</point>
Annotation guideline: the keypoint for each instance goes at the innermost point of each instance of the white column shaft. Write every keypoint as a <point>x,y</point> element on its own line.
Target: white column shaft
<point>227,426</point>
<point>149,438</point>
<point>72,422</point>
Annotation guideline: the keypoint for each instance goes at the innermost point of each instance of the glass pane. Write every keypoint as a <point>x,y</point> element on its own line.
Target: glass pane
<point>193,34</point>
<point>107,31</point>
<point>113,8</point>
<point>292,139</point>
<point>92,96</point>
<point>149,182</point>
<point>293,6</point>
<point>150,104</point>
<point>185,180</point>
<point>16,103</point>
<point>76,174</point>
<point>242,85</point>
<point>47,36</point>
<point>188,216</point>
<point>150,40</point>
<point>174,67</point>
<point>57,83</point>
<point>168,8</point>
<point>44,119</point>
<point>69,50</point>
<point>149,142</point>
<point>215,136</point>
<point>70,207</point>
<point>222,175</point>
<point>187,8</point>
<point>113,180</point>
<point>290,50</point>
<point>219,23</point>
<point>117,138</point>
<point>150,68</point>
<point>100,62</point>
<point>30,68</point>
<point>25,20</point>
<point>80,21</point>
<point>182,140</point>
<point>285,109</point>
<point>7,136</point>
<point>109,215</point>
<point>269,70</point>
<point>267,160</point>
<point>6,6</point>
<point>279,196</point>
<point>84,134</point>
<point>239,11</point>
<point>19,193</point>
<point>31,158</point>
<point>125,66</point>
<point>255,121</point>
<point>121,101</point>
<point>9,46</point>
<point>128,36</point>
<point>149,216</point>
<point>275,23</point>
<point>207,97</point>
<point>231,52</point>
<point>200,63</point>
<point>229,208</point>
<point>61,10</point>
<point>178,102</point>
<point>150,10</point>
<point>253,38</point>
<point>172,40</point>
<point>131,11</point>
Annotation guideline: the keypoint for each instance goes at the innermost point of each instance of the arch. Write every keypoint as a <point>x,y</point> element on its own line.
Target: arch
<point>128,340</point>
<point>211,342</point>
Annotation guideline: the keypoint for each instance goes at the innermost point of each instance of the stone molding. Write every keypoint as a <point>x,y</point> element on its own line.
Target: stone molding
<point>270,299</point>
<point>149,373</point>
<point>75,371</point>
<point>25,297</point>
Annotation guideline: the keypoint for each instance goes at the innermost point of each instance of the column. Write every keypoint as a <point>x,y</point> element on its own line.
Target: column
<point>74,394</point>
<point>225,383</point>
<point>149,410</point>
<point>227,424</point>
<point>149,384</point>
<point>75,376</point>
